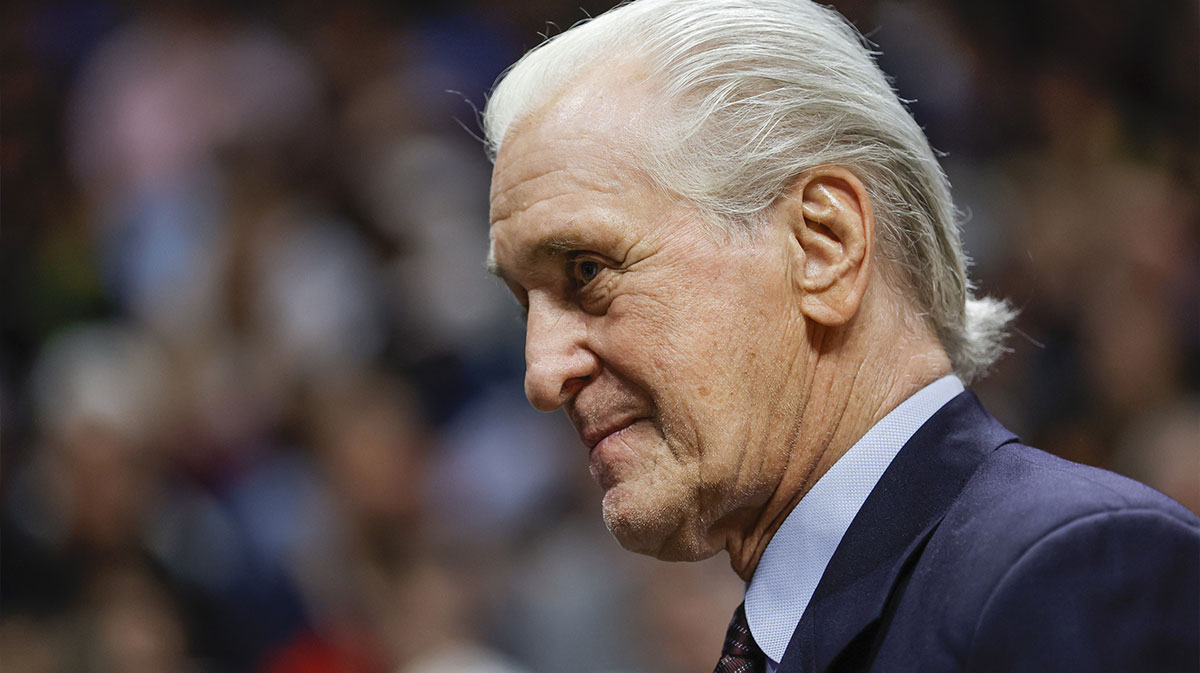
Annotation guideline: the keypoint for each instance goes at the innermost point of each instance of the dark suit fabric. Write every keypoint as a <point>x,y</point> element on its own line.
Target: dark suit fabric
<point>977,553</point>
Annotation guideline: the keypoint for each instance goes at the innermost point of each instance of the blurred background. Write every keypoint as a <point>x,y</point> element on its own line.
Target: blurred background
<point>261,407</point>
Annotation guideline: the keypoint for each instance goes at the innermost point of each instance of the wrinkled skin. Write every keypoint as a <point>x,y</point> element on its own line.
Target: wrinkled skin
<point>643,321</point>
<point>713,377</point>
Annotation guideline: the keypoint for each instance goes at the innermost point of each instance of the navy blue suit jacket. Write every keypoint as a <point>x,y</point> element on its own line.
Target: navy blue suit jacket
<point>977,553</point>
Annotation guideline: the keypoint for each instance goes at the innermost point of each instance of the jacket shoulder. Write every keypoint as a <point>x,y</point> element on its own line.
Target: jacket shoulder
<point>1112,591</point>
<point>1021,491</point>
<point>1038,559</point>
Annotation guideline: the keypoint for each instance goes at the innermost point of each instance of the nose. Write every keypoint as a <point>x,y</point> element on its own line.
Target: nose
<point>558,362</point>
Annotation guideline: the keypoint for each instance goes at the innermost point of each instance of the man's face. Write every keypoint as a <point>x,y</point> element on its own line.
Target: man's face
<point>672,349</point>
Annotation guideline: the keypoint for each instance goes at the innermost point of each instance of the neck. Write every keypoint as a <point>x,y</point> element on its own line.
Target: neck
<point>849,391</point>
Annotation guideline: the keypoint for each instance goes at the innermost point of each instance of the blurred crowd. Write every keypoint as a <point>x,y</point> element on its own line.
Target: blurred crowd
<point>261,406</point>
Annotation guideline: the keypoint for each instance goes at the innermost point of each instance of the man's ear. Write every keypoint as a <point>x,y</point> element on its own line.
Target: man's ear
<point>832,225</point>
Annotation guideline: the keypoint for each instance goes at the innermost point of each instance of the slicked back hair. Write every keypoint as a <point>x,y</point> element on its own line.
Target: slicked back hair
<point>758,92</point>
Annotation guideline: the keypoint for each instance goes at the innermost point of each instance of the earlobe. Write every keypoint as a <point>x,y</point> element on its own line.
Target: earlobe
<point>830,217</point>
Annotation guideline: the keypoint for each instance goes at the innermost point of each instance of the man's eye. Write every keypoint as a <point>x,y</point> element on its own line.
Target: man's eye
<point>585,271</point>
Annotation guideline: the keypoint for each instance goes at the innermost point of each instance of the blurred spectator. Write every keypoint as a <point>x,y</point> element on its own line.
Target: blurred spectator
<point>262,407</point>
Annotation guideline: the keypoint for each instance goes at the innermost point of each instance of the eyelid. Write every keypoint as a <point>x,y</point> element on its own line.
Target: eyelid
<point>575,258</point>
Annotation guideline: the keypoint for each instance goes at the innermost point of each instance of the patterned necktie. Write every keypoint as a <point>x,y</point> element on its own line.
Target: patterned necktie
<point>740,653</point>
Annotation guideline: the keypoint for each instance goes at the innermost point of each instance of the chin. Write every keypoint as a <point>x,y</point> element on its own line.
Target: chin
<point>660,527</point>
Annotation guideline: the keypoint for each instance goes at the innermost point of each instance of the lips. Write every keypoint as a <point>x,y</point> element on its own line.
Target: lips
<point>593,435</point>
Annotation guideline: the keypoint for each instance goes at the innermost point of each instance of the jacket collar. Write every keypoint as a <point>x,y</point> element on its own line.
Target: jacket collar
<point>895,521</point>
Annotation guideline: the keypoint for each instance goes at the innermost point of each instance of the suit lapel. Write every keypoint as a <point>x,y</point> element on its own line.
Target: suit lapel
<point>901,513</point>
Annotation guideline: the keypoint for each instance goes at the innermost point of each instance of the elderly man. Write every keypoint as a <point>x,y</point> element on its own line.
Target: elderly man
<point>744,284</point>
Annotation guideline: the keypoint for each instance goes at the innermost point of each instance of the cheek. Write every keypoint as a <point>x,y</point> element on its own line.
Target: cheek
<point>687,333</point>
<point>696,338</point>
<point>734,369</point>
<point>642,335</point>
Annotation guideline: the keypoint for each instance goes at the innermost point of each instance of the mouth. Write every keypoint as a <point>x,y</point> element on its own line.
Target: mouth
<point>593,436</point>
<point>607,453</point>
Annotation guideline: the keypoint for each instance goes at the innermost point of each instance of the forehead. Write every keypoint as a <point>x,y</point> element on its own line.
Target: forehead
<point>543,162</point>
<point>585,128</point>
<point>568,172</point>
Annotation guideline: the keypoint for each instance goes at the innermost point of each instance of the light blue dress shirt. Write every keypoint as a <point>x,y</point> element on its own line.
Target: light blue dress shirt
<point>794,560</point>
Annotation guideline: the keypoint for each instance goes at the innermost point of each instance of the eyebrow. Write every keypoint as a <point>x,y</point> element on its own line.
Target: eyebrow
<point>549,247</point>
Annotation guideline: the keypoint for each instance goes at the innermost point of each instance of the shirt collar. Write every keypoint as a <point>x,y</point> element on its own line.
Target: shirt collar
<point>796,556</point>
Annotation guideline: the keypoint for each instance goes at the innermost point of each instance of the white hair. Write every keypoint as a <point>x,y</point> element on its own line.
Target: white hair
<point>760,91</point>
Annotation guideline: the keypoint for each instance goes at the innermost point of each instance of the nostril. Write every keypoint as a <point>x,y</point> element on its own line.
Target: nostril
<point>572,386</point>
<point>551,382</point>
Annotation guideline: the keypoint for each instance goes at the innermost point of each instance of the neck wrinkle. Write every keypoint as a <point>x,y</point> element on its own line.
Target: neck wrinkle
<point>867,394</point>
